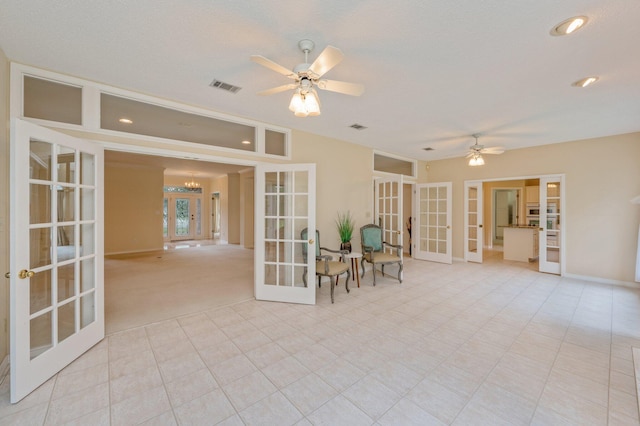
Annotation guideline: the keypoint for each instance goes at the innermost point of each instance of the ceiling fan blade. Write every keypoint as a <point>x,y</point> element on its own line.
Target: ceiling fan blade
<point>278,89</point>
<point>268,63</point>
<point>343,87</point>
<point>493,150</point>
<point>329,58</point>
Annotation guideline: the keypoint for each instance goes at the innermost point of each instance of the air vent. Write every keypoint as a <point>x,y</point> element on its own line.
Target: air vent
<point>358,126</point>
<point>428,148</point>
<point>225,86</point>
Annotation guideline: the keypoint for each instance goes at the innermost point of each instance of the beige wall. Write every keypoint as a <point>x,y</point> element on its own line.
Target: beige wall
<point>344,182</point>
<point>602,175</point>
<point>133,209</point>
<point>233,206</point>
<point>4,205</point>
<point>221,186</point>
<point>247,208</point>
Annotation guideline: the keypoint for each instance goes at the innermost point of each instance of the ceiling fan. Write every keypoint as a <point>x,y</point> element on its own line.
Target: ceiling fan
<point>309,76</point>
<point>476,150</point>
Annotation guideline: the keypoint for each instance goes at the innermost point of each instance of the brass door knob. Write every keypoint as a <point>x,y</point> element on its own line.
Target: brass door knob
<point>480,226</point>
<point>7,275</point>
<point>25,274</point>
<point>311,241</point>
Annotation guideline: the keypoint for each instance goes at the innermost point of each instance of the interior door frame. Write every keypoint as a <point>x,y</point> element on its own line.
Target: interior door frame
<point>563,203</point>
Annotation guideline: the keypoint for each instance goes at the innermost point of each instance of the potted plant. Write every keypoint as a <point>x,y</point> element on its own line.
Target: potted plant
<point>345,225</point>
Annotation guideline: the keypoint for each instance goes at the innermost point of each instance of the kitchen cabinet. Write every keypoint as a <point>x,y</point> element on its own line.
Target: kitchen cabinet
<point>521,243</point>
<point>532,194</point>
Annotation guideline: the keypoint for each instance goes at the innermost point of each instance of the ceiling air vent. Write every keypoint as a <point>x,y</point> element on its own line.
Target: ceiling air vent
<point>428,148</point>
<point>358,126</point>
<point>225,86</point>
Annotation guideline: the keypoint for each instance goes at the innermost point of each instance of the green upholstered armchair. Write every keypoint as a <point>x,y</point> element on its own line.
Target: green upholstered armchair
<point>325,265</point>
<point>373,250</point>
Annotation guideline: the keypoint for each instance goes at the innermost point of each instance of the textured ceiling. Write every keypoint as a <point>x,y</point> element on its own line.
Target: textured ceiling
<point>435,71</point>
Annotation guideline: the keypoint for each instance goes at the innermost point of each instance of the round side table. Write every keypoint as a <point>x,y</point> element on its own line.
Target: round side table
<point>354,256</point>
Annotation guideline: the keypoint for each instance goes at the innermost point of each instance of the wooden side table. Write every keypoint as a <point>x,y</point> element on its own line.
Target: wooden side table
<point>354,256</point>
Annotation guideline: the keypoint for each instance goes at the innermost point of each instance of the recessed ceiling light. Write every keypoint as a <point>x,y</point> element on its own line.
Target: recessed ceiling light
<point>569,26</point>
<point>126,121</point>
<point>585,82</point>
<point>246,142</point>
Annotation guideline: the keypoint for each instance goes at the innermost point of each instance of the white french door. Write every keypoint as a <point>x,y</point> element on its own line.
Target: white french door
<point>433,222</point>
<point>285,205</point>
<point>388,214</point>
<point>182,217</point>
<point>473,222</point>
<point>57,255</point>
<point>551,229</point>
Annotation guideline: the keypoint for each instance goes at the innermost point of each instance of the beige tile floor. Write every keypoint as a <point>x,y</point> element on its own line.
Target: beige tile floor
<point>490,344</point>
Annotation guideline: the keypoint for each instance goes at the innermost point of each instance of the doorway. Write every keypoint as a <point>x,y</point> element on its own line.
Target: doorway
<point>182,217</point>
<point>215,215</point>
<point>505,209</point>
<point>148,279</point>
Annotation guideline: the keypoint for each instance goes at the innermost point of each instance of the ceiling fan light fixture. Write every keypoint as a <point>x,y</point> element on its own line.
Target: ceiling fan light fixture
<point>476,160</point>
<point>297,102</point>
<point>305,104</point>
<point>569,26</point>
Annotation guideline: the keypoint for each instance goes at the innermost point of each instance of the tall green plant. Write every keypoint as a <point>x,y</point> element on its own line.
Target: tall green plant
<point>345,225</point>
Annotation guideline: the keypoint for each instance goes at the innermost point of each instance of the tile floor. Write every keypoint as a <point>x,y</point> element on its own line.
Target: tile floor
<point>490,344</point>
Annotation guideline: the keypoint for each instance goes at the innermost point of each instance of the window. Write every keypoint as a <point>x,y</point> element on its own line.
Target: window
<point>53,101</point>
<point>388,164</point>
<point>153,120</point>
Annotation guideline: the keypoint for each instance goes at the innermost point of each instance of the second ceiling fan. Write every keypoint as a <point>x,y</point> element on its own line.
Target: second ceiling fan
<point>309,76</point>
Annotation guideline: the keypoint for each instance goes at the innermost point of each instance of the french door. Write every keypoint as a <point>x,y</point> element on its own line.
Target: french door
<point>57,257</point>
<point>433,222</point>
<point>388,213</point>
<point>182,217</point>
<point>550,232</point>
<point>473,219</point>
<point>285,204</point>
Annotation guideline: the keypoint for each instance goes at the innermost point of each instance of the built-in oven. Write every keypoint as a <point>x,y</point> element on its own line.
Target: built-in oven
<point>533,209</point>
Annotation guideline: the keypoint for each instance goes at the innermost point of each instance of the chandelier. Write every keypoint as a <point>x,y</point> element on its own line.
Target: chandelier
<point>192,184</point>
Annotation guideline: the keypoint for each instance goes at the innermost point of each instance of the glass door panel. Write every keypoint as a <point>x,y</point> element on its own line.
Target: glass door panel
<point>54,229</point>
<point>550,230</point>
<point>182,214</point>
<point>285,203</point>
<point>433,229</point>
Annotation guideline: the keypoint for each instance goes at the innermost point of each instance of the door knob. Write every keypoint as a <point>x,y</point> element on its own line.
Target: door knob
<point>311,241</point>
<point>480,226</point>
<point>7,275</point>
<point>25,274</point>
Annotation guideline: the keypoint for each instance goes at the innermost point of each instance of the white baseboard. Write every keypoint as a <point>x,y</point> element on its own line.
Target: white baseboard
<point>603,280</point>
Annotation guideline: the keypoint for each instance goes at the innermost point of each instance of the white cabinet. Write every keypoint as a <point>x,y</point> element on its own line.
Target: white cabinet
<point>532,194</point>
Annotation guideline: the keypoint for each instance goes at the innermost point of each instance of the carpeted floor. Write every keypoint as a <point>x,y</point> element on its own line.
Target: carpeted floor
<point>147,288</point>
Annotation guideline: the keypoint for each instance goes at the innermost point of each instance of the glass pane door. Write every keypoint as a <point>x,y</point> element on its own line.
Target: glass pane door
<point>57,312</point>
<point>182,217</point>
<point>550,230</point>
<point>285,206</point>
<point>389,210</point>
<point>473,230</point>
<point>433,221</point>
